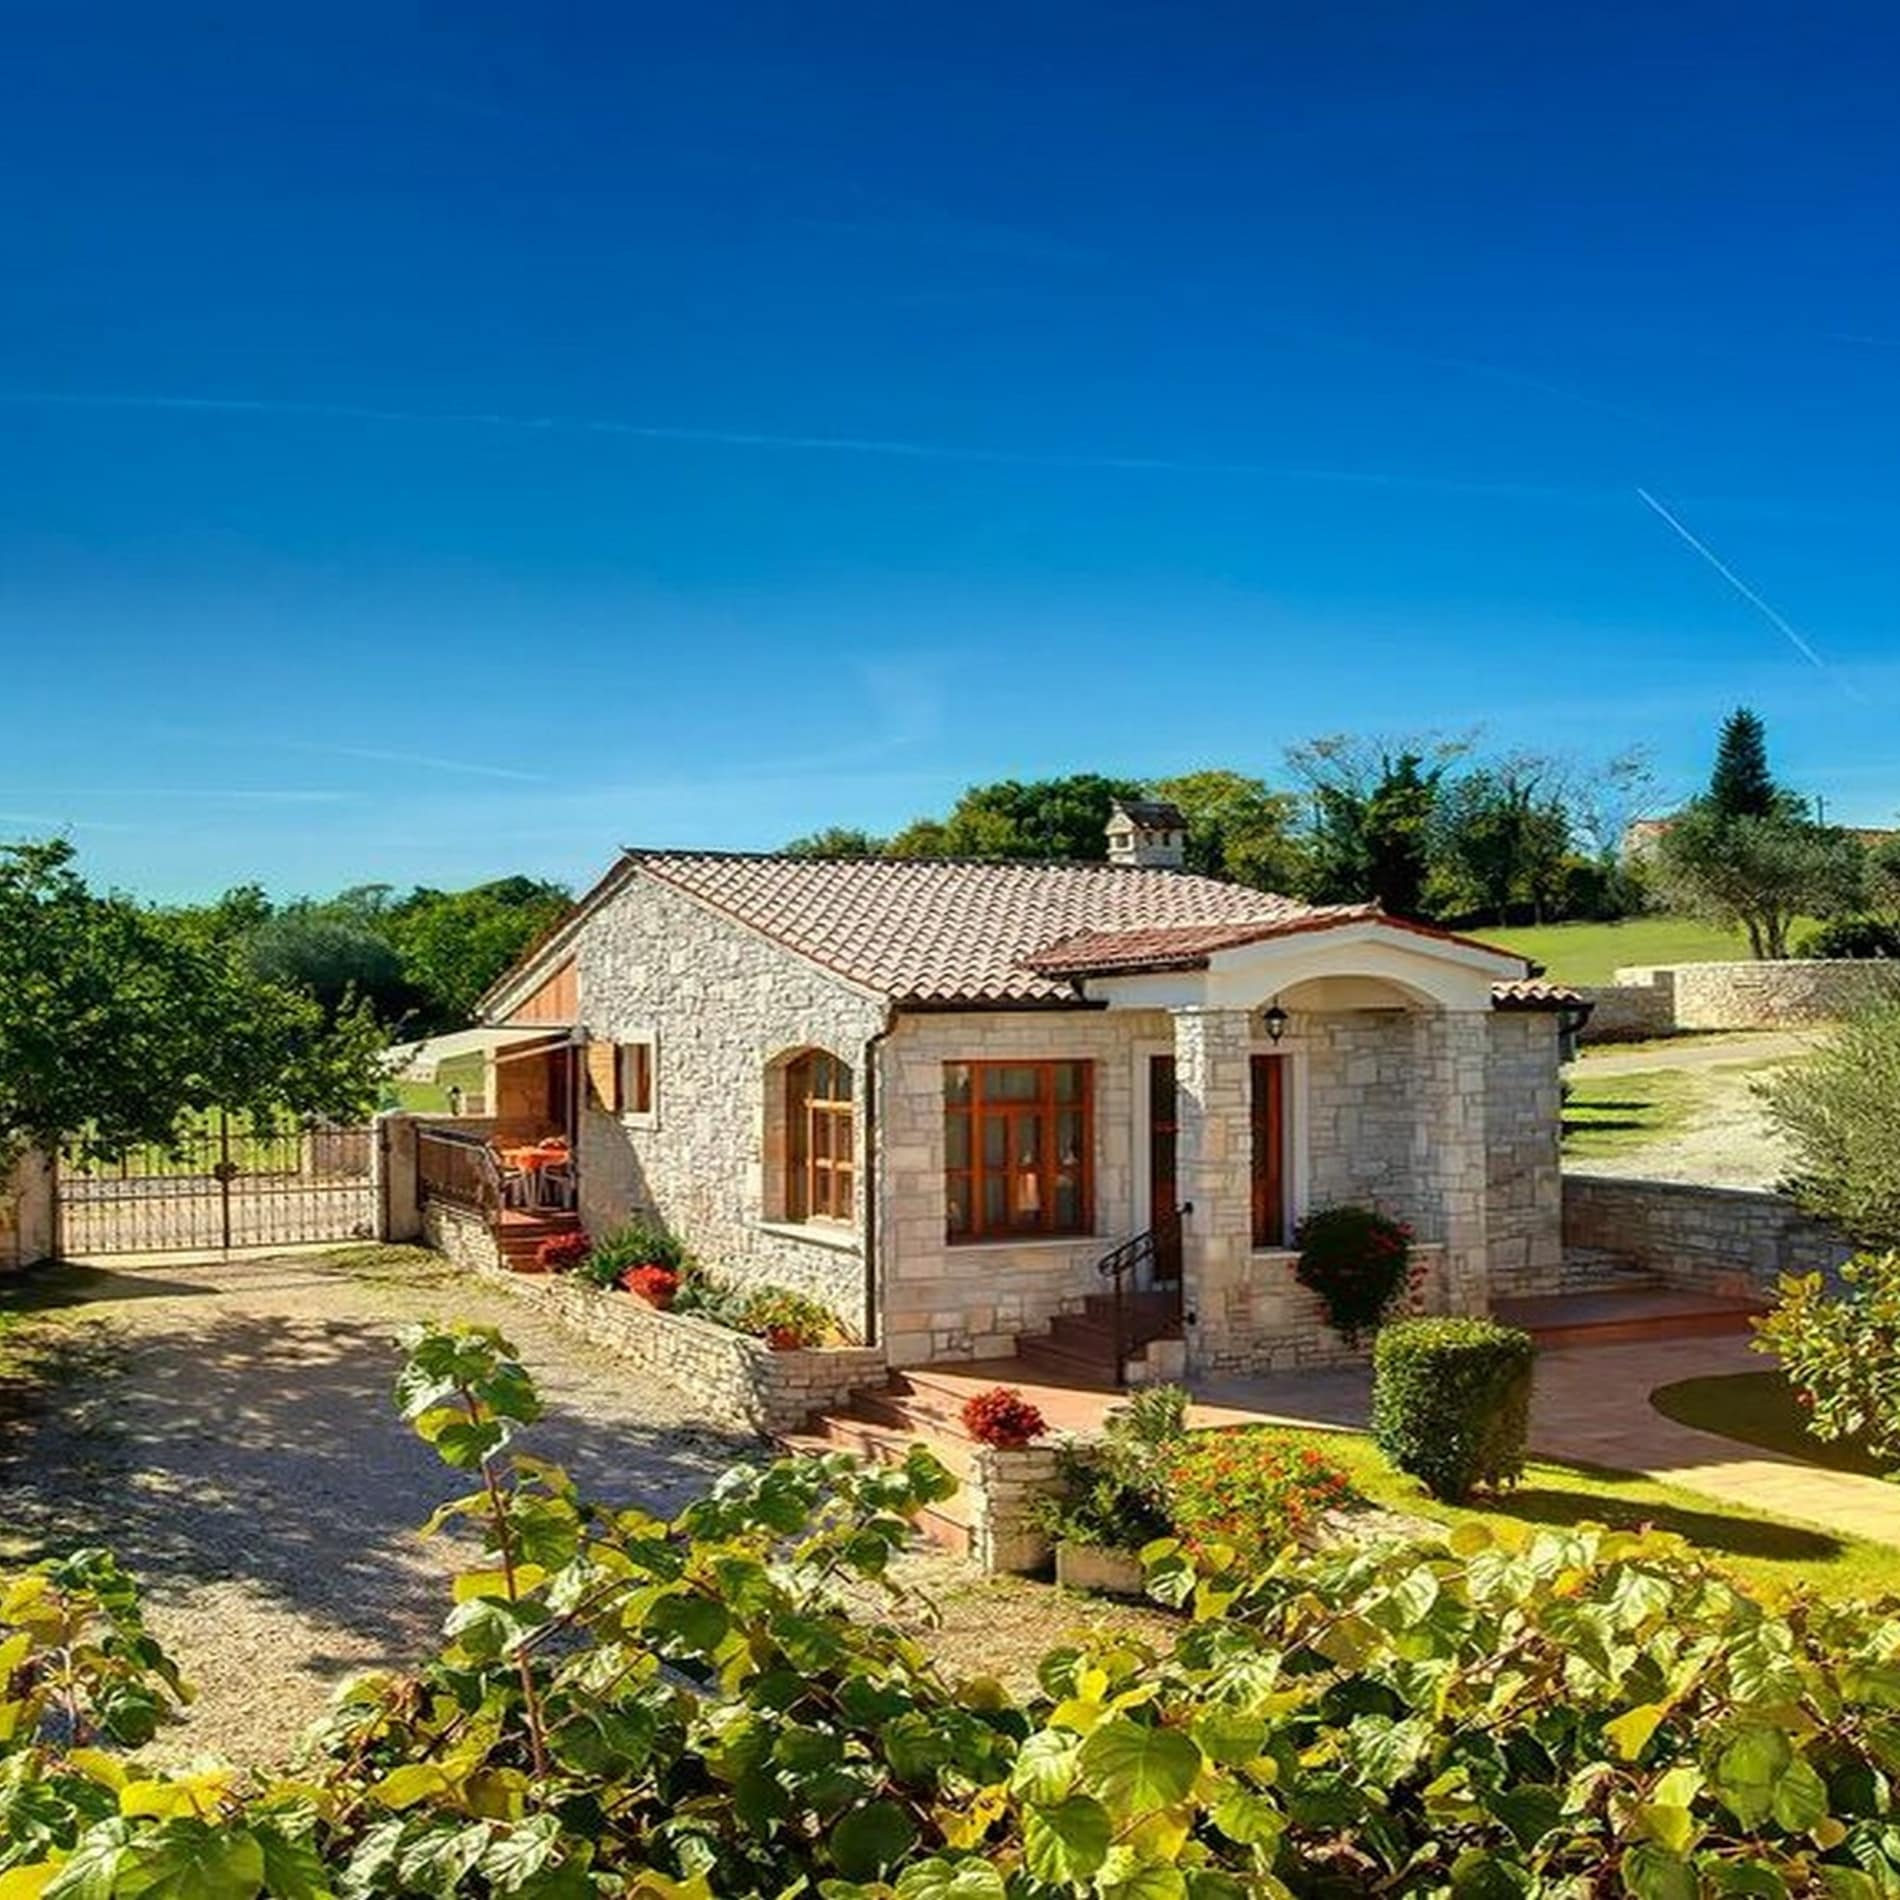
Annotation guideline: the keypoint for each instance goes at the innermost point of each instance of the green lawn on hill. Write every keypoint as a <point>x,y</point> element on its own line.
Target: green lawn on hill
<point>1593,953</point>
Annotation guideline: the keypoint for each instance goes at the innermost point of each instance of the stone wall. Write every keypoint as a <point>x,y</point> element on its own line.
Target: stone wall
<point>1523,1115</point>
<point>1255,1316</point>
<point>1716,1240</point>
<point>972,1300</point>
<point>734,1379</point>
<point>723,1009</point>
<point>1360,1100</point>
<point>1638,1005</point>
<point>1664,999</point>
<point>1002,1489</point>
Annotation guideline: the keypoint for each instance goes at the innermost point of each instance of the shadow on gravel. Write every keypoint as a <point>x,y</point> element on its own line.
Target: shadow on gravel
<point>266,1449</point>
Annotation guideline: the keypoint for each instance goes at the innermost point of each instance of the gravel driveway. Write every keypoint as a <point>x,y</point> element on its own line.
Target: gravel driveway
<point>227,1429</point>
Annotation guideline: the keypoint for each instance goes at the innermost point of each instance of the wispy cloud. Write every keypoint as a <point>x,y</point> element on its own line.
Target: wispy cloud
<point>1772,615</point>
<point>328,749</point>
<point>852,445</point>
<point>217,794</point>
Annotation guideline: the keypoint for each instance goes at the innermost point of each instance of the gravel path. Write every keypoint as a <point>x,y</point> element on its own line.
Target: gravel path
<point>227,1429</point>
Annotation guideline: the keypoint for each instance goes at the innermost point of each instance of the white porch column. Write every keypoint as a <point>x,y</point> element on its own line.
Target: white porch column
<point>1214,1164</point>
<point>1448,1148</point>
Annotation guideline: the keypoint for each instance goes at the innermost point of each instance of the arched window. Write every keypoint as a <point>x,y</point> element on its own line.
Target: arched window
<point>819,1146</point>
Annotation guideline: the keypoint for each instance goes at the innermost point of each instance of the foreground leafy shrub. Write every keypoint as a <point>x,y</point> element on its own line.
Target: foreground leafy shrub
<point>624,1709</point>
<point>1838,1110</point>
<point>1002,1417</point>
<point>1359,1262</point>
<point>1241,1497</point>
<point>1851,937</point>
<point>1451,1402</point>
<point>1840,1350</point>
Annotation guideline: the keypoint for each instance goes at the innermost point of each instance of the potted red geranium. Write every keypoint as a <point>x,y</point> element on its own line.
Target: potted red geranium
<point>562,1253</point>
<point>1002,1417</point>
<point>655,1284</point>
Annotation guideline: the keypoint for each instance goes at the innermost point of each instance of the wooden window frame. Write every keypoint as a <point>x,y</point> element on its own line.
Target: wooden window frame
<point>821,1170</point>
<point>1046,1104</point>
<point>1267,1085</point>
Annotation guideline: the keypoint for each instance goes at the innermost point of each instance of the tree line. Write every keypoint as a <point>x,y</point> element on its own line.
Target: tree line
<point>1428,826</point>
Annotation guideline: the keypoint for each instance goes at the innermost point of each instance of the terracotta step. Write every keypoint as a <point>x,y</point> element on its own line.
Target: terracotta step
<point>1054,1360</point>
<point>887,1443</point>
<point>1618,1317</point>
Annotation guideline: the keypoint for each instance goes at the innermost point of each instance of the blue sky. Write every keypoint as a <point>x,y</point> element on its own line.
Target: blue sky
<point>439,443</point>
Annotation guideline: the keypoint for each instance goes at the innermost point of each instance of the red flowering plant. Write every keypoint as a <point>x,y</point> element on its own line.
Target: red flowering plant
<point>653,1283</point>
<point>1359,1262</point>
<point>1002,1417</point>
<point>1248,1494</point>
<point>562,1253</point>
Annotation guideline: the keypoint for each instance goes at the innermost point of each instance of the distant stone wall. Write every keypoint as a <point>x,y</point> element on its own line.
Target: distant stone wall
<point>734,1379</point>
<point>1664,999</point>
<point>1714,1240</point>
<point>1638,1005</point>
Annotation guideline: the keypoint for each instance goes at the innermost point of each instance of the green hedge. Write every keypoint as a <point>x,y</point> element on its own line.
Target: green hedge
<point>1451,1401</point>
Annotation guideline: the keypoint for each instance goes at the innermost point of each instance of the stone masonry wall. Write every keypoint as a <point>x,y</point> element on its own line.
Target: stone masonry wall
<point>1638,1005</point>
<point>735,1380</point>
<point>1523,1117</point>
<point>1716,1240</point>
<point>724,1010</point>
<point>1361,1099</point>
<point>1664,999</point>
<point>27,1211</point>
<point>971,1301</point>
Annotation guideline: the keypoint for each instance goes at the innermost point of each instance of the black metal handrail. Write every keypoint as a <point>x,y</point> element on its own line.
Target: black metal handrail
<point>1120,1265</point>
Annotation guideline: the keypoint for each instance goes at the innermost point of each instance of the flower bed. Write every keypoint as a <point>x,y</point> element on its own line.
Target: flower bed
<point>737,1380</point>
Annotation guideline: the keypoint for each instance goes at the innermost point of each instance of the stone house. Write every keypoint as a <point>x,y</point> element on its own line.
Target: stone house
<point>938,1094</point>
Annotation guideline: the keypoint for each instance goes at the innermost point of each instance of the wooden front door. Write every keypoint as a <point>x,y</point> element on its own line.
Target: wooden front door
<point>1269,1151</point>
<point>1164,1185</point>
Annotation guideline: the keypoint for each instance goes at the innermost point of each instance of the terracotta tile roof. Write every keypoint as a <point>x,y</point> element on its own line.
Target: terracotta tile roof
<point>1181,946</point>
<point>953,930</point>
<point>1532,993</point>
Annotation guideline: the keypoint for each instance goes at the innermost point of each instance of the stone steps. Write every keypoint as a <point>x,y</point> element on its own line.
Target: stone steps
<point>1621,1317</point>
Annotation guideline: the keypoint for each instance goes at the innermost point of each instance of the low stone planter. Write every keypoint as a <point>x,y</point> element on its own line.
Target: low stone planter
<point>736,1380</point>
<point>1115,1573</point>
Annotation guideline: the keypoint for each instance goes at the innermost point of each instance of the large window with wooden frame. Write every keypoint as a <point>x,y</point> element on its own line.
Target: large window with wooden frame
<point>1269,1151</point>
<point>820,1161</point>
<point>1019,1145</point>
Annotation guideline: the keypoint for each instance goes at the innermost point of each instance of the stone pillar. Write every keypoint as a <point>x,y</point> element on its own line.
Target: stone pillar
<point>1214,1160</point>
<point>29,1218</point>
<point>1003,1487</point>
<point>1448,1148</point>
<point>395,1192</point>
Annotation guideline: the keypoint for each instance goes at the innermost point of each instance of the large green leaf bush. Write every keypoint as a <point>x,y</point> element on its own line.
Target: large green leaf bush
<point>624,1707</point>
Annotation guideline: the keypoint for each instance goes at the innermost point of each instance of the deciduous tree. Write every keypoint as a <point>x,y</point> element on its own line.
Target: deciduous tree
<point>113,1024</point>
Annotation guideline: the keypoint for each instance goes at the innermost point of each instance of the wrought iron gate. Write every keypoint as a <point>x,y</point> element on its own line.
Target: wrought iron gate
<point>227,1180</point>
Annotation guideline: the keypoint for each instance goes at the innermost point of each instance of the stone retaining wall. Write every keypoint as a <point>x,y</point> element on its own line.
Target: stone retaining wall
<point>1002,1489</point>
<point>735,1379</point>
<point>1714,1240</point>
<point>1663,999</point>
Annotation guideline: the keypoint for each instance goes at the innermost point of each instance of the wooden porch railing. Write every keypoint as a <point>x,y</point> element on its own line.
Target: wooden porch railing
<point>460,1169</point>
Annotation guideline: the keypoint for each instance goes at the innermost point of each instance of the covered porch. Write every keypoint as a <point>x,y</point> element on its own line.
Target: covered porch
<point>1278,1072</point>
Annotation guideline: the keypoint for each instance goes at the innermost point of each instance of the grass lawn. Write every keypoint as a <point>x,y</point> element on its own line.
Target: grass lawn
<point>1592,953</point>
<point>432,1098</point>
<point>1608,1114</point>
<point>1760,1408</point>
<point>1768,1551</point>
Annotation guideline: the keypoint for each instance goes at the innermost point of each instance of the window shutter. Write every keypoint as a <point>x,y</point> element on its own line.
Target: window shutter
<point>603,1075</point>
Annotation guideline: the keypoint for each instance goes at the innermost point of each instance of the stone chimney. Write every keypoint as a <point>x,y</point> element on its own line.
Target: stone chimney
<point>1147,832</point>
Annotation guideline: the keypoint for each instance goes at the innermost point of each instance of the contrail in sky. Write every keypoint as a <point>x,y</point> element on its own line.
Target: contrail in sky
<point>1774,618</point>
<point>895,447</point>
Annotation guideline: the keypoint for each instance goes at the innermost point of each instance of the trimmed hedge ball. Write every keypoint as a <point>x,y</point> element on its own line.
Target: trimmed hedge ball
<point>1451,1402</point>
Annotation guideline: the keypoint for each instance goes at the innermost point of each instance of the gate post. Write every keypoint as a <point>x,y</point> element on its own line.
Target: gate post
<point>395,1192</point>
<point>28,1217</point>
